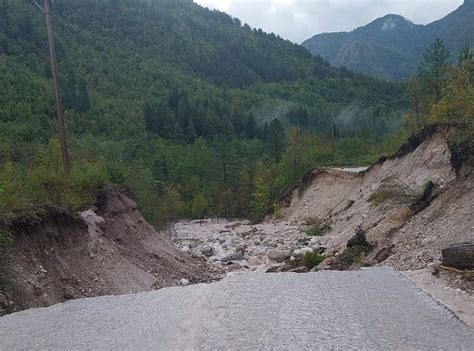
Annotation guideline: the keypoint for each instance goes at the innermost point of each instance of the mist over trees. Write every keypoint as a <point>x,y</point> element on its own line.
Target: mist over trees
<point>199,114</point>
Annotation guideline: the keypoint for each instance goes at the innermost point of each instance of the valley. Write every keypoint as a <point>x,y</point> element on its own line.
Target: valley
<point>214,186</point>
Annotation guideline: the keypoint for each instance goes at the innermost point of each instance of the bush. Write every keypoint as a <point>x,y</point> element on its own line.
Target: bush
<point>352,254</point>
<point>6,239</point>
<point>394,192</point>
<point>312,259</point>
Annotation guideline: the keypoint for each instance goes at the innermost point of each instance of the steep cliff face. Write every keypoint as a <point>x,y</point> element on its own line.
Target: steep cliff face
<point>105,251</point>
<point>409,234</point>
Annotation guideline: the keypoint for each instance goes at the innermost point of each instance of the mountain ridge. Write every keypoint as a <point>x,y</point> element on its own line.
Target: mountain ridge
<point>392,46</point>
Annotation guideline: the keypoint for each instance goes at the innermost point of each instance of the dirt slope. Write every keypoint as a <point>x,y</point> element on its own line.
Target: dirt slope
<point>402,236</point>
<point>109,251</point>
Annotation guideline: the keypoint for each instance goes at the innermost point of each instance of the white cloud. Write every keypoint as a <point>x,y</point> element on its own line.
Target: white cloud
<point>298,20</point>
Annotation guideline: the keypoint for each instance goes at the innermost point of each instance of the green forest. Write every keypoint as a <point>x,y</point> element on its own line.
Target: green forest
<point>199,114</point>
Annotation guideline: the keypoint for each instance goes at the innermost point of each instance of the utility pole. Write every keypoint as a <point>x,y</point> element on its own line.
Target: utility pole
<point>54,65</point>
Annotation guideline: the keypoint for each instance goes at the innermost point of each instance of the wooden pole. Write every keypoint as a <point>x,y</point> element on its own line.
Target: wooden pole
<point>59,108</point>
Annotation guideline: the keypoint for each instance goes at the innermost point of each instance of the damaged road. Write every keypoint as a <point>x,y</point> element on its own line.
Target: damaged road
<point>322,310</point>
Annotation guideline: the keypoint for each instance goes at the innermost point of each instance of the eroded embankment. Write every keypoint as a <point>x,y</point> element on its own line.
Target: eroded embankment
<point>406,235</point>
<point>111,250</point>
<point>432,182</point>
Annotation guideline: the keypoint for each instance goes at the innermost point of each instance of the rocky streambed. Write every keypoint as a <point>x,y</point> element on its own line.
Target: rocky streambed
<point>241,246</point>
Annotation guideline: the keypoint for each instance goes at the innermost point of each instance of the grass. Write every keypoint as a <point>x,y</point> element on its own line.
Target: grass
<point>397,193</point>
<point>316,227</point>
<point>318,230</point>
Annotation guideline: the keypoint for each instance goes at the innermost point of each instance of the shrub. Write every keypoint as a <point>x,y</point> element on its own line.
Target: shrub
<point>312,259</point>
<point>6,239</point>
<point>397,193</point>
<point>352,254</point>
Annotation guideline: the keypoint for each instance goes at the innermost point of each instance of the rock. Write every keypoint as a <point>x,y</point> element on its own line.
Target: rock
<point>253,261</point>
<point>273,269</point>
<point>279,255</point>
<point>208,251</point>
<point>303,251</point>
<point>184,282</point>
<point>319,249</point>
<point>241,247</point>
<point>233,257</point>
<point>460,256</point>
<point>383,254</point>
<point>38,290</point>
<point>68,292</point>
<point>359,239</point>
<point>301,269</point>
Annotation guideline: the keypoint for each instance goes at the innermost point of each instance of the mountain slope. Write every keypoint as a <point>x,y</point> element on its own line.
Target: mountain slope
<point>156,93</point>
<point>392,46</point>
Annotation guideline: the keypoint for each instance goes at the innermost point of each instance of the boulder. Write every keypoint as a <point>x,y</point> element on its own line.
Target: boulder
<point>253,261</point>
<point>273,269</point>
<point>183,282</point>
<point>241,247</point>
<point>460,256</point>
<point>233,257</point>
<point>359,239</point>
<point>208,251</point>
<point>301,269</point>
<point>279,255</point>
<point>319,249</point>
<point>68,292</point>
<point>303,251</point>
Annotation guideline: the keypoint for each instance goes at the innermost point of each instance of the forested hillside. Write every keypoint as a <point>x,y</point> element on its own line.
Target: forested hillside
<point>192,109</point>
<point>393,46</point>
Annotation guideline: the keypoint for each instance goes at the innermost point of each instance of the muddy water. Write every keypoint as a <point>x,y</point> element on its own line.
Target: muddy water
<point>369,309</point>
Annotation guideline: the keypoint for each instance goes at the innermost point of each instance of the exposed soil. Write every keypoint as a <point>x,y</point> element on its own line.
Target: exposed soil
<point>111,250</point>
<point>405,236</point>
<point>408,237</point>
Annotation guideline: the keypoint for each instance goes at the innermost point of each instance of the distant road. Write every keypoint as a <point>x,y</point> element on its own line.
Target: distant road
<point>350,169</point>
<point>369,309</point>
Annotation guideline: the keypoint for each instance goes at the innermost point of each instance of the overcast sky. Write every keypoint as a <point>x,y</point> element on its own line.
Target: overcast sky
<point>298,20</point>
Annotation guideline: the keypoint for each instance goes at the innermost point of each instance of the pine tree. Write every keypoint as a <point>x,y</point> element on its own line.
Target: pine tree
<point>83,103</point>
<point>69,94</point>
<point>149,118</point>
<point>466,60</point>
<point>250,127</point>
<point>276,139</point>
<point>190,132</point>
<point>434,67</point>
